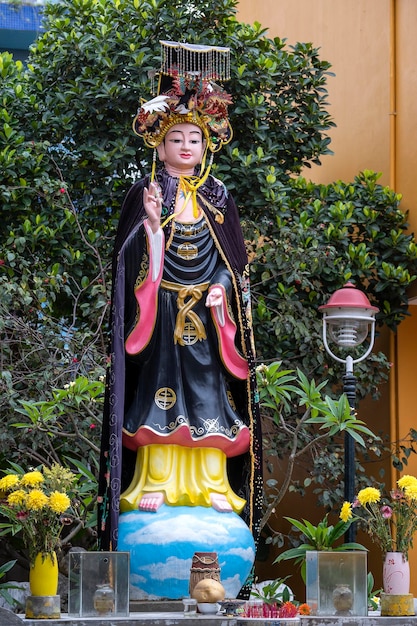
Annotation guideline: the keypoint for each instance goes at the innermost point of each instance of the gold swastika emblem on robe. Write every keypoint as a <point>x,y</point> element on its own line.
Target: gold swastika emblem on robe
<point>165,398</point>
<point>190,334</point>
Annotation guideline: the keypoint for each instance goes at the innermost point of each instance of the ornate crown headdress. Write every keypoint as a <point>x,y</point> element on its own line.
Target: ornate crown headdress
<point>188,91</point>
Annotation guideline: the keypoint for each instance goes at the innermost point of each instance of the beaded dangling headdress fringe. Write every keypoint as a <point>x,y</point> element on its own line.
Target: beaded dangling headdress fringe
<point>212,63</point>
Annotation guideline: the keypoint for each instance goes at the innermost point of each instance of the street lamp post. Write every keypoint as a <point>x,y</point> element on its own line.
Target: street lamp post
<point>347,318</point>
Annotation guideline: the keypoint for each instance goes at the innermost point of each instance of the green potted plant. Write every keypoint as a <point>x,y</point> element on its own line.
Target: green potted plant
<point>272,592</point>
<point>320,537</point>
<point>335,575</point>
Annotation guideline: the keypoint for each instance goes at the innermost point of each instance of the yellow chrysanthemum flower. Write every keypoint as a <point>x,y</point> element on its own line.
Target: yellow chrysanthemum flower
<point>8,482</point>
<point>411,492</point>
<point>346,512</point>
<point>31,479</point>
<point>16,498</point>
<point>59,502</point>
<point>407,481</point>
<point>36,500</point>
<point>369,495</point>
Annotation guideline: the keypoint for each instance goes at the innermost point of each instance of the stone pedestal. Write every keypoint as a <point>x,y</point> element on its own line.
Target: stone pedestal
<point>43,607</point>
<point>393,605</point>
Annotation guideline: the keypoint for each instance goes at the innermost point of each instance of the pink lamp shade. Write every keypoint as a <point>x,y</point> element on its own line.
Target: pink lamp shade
<point>348,314</point>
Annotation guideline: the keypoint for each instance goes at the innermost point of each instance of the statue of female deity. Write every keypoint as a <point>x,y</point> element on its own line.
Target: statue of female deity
<point>181,424</point>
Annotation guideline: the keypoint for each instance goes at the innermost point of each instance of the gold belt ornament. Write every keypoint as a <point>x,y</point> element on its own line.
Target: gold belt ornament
<point>188,296</point>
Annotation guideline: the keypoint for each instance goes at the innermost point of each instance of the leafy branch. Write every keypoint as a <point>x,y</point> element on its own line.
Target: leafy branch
<point>282,393</point>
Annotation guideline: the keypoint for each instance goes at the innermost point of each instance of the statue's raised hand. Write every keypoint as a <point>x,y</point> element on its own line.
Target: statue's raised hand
<point>152,201</point>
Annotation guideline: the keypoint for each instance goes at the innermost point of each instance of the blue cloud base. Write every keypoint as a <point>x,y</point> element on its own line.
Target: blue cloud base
<point>162,545</point>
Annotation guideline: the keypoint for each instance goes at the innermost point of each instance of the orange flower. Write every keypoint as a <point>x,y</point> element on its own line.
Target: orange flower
<point>288,609</point>
<point>304,609</point>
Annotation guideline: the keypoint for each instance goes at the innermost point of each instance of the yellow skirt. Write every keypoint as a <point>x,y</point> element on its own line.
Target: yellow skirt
<point>186,477</point>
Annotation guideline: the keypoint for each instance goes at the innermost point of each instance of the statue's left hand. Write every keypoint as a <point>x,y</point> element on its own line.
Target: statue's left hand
<point>215,297</point>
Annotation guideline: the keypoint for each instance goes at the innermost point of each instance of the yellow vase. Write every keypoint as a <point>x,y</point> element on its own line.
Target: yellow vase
<point>43,575</point>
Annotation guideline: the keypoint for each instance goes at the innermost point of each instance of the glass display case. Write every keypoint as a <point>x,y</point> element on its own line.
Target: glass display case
<point>337,582</point>
<point>98,584</point>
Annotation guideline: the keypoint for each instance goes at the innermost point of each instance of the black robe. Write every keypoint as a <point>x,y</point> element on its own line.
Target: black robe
<point>124,399</point>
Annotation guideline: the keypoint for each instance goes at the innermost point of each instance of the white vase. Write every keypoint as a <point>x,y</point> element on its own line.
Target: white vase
<point>396,574</point>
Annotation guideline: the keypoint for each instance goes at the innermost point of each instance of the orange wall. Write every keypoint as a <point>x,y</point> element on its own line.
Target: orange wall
<point>406,106</point>
<point>406,376</point>
<point>373,100</point>
<point>373,97</point>
<point>354,37</point>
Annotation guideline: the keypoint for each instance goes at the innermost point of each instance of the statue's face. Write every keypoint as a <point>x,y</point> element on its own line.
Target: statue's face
<point>182,148</point>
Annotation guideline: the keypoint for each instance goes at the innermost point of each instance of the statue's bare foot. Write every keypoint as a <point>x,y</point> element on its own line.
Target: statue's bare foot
<point>220,503</point>
<point>151,501</point>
